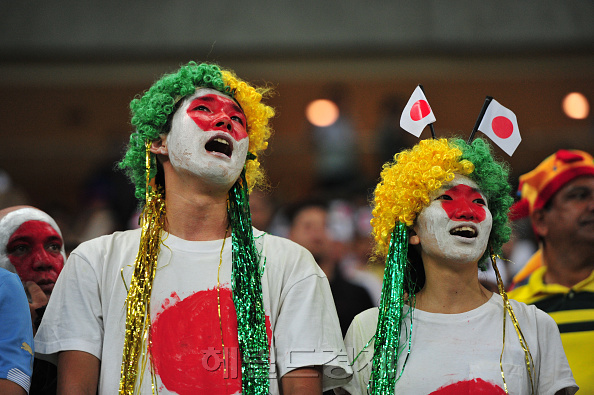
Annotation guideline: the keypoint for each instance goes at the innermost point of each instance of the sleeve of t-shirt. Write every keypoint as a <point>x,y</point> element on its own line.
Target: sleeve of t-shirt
<point>555,373</point>
<point>73,318</point>
<point>359,344</point>
<point>307,331</point>
<point>16,332</point>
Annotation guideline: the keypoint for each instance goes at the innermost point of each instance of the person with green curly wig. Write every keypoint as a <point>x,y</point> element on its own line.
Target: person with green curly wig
<point>196,301</point>
<point>440,211</point>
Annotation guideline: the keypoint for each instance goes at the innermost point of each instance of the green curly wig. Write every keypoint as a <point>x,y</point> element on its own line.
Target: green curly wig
<point>151,114</point>
<point>492,178</point>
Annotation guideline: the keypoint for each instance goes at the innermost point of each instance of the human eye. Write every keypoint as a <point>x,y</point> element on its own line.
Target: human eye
<point>18,249</point>
<point>480,201</point>
<point>237,119</point>
<point>201,107</point>
<point>54,247</point>
<point>580,194</point>
<point>444,197</point>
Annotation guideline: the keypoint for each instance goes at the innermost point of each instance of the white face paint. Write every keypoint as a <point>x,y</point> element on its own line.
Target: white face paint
<point>208,138</point>
<point>456,224</point>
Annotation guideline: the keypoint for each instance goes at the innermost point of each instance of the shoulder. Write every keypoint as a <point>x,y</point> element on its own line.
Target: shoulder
<point>368,316</point>
<point>527,289</point>
<point>364,324</point>
<point>284,253</point>
<point>9,281</point>
<point>281,244</point>
<point>12,292</point>
<point>129,239</point>
<point>532,316</point>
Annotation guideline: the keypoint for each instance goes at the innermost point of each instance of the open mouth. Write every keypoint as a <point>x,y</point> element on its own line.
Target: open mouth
<point>464,231</point>
<point>221,145</point>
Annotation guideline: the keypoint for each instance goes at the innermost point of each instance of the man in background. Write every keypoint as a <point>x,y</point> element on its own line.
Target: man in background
<point>558,196</point>
<point>31,245</point>
<point>308,227</point>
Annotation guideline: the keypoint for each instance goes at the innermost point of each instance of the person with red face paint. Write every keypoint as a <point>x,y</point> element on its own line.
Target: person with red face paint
<point>31,246</point>
<point>440,212</point>
<point>196,301</point>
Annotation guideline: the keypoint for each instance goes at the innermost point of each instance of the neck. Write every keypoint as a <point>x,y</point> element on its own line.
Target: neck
<point>196,210</point>
<point>567,266</point>
<point>451,289</point>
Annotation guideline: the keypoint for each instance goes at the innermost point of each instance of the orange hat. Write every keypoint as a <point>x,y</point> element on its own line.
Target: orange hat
<point>538,186</point>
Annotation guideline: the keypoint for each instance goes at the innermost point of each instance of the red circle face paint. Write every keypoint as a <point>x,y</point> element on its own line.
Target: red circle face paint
<point>187,348</point>
<point>463,203</point>
<point>214,112</point>
<point>34,249</point>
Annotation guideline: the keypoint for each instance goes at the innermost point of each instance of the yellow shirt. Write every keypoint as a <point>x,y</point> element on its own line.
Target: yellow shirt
<point>573,311</point>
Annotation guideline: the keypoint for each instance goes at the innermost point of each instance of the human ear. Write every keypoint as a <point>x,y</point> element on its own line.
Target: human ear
<point>413,238</point>
<point>539,223</point>
<point>159,146</point>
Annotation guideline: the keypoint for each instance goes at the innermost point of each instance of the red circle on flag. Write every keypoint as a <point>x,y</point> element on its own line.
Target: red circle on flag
<point>419,110</point>
<point>502,127</point>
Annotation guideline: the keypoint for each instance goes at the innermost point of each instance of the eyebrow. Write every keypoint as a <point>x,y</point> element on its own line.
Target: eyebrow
<point>29,239</point>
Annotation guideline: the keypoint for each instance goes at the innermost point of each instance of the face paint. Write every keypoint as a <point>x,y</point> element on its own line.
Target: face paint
<point>456,224</point>
<point>208,138</point>
<point>34,249</point>
<point>460,203</point>
<point>216,112</point>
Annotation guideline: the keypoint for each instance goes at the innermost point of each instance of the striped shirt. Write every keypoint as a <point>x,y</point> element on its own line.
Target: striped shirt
<point>573,311</point>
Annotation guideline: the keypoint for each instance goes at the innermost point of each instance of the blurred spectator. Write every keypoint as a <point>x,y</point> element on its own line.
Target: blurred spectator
<point>31,245</point>
<point>262,209</point>
<point>309,228</point>
<point>558,196</point>
<point>349,224</point>
<point>16,337</point>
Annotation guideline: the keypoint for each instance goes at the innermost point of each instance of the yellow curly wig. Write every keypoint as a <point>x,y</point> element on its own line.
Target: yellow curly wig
<point>257,115</point>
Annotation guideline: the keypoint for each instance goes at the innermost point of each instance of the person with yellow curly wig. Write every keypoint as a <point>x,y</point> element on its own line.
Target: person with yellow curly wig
<point>196,301</point>
<point>440,211</point>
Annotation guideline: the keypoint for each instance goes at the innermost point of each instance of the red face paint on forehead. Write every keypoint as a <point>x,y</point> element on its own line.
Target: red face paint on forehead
<point>34,249</point>
<point>463,203</point>
<point>213,112</point>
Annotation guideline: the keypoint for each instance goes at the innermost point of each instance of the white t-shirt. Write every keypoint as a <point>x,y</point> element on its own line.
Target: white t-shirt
<point>87,313</point>
<point>459,353</point>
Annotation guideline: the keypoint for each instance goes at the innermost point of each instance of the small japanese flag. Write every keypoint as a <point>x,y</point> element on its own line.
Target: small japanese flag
<point>501,126</point>
<point>417,114</point>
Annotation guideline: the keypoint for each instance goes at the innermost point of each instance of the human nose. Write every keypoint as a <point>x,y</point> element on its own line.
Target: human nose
<point>42,260</point>
<point>223,122</point>
<point>464,212</point>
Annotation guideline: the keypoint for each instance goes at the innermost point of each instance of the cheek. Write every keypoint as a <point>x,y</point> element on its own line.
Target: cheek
<point>23,266</point>
<point>202,123</point>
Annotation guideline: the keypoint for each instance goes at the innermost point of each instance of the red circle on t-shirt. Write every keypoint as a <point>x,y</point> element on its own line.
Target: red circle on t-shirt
<point>186,344</point>
<point>475,387</point>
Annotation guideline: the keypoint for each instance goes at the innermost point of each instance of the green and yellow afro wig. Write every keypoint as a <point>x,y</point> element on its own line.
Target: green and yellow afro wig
<point>151,114</point>
<point>407,182</point>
